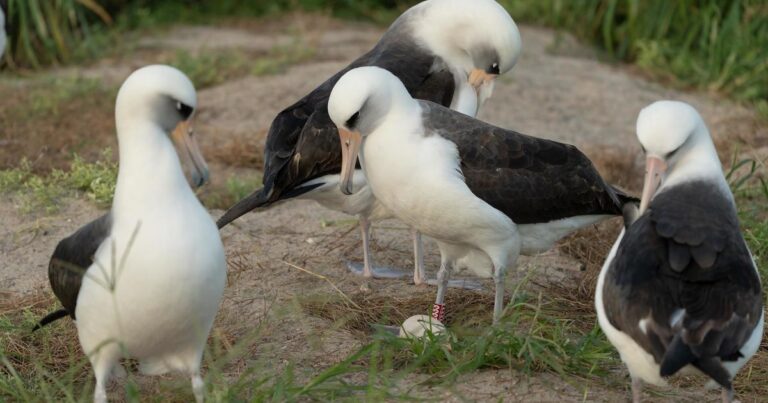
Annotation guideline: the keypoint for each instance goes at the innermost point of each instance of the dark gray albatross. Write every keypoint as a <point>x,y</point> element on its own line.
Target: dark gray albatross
<point>680,289</point>
<point>445,51</point>
<point>485,194</point>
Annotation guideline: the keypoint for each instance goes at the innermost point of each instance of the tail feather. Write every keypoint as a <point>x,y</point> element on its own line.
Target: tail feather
<point>624,197</point>
<point>51,317</point>
<point>679,355</point>
<point>713,368</point>
<point>259,198</point>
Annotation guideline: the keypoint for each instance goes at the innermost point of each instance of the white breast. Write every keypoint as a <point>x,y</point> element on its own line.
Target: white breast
<point>166,291</point>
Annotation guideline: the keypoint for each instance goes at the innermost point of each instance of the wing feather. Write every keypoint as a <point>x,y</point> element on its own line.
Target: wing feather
<point>686,258</point>
<point>72,257</point>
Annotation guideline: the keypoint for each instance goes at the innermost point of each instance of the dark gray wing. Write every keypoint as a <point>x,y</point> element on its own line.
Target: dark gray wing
<point>529,179</point>
<point>72,257</point>
<point>686,253</point>
<point>303,143</point>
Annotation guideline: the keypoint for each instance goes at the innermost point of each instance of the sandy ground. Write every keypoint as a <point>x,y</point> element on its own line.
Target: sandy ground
<point>559,90</point>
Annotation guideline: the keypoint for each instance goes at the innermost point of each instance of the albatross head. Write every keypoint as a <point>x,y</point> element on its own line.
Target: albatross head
<point>164,98</point>
<point>477,37</point>
<point>677,145</point>
<point>358,102</point>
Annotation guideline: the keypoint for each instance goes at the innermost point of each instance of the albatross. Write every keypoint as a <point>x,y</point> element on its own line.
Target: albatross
<point>445,51</point>
<point>680,289</point>
<point>485,194</point>
<point>146,279</point>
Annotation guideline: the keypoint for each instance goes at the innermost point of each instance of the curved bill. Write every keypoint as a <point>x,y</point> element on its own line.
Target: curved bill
<point>189,152</point>
<point>482,82</point>
<point>350,147</point>
<point>654,168</point>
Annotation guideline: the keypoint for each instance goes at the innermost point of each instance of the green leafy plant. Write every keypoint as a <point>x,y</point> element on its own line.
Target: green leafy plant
<point>44,32</point>
<point>718,45</point>
<point>95,180</point>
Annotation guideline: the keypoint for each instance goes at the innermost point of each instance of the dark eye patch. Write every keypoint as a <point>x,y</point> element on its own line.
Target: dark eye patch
<point>351,122</point>
<point>493,69</point>
<point>672,153</point>
<point>184,110</point>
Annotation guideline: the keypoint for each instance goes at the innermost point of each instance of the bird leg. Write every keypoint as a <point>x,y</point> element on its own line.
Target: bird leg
<point>419,275</point>
<point>367,270</point>
<point>365,229</point>
<point>103,360</point>
<point>438,310</point>
<point>637,390</point>
<point>498,303</point>
<point>198,387</point>
<point>727,395</point>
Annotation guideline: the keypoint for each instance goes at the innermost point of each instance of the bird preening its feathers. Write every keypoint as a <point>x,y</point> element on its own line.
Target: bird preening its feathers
<point>680,287</point>
<point>394,134</point>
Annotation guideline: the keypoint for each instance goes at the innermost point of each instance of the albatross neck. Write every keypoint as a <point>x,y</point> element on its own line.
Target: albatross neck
<point>700,163</point>
<point>149,172</point>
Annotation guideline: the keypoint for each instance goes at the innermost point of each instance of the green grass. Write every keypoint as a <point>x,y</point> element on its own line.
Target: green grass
<point>210,68</point>
<point>536,334</point>
<point>213,67</point>
<point>235,188</point>
<point>281,57</point>
<point>716,45</point>
<point>751,192</point>
<point>45,97</point>
<point>48,365</point>
<point>45,33</point>
<point>45,192</point>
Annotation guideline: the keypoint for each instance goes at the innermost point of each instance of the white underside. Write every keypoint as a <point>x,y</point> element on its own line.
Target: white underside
<point>362,202</point>
<point>640,363</point>
<point>535,239</point>
<point>166,294</point>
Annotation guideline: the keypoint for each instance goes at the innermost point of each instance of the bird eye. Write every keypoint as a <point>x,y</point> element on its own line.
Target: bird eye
<point>672,153</point>
<point>184,110</point>
<point>493,69</point>
<point>351,122</point>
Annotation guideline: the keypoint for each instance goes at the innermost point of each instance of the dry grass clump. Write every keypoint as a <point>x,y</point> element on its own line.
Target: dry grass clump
<point>590,246</point>
<point>53,349</point>
<point>239,150</point>
<point>364,309</point>
<point>621,167</point>
<point>47,121</point>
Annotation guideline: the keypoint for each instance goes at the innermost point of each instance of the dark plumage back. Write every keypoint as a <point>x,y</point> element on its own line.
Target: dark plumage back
<point>303,143</point>
<point>686,254</point>
<point>70,260</point>
<point>531,180</point>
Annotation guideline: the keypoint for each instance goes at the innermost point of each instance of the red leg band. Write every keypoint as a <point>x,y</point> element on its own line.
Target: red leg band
<point>438,312</point>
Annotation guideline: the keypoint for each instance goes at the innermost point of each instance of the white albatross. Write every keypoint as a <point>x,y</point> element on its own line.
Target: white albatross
<point>146,279</point>
<point>446,51</point>
<point>680,289</point>
<point>485,194</point>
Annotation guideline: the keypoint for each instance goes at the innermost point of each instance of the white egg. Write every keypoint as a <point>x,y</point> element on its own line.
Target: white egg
<point>417,325</point>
